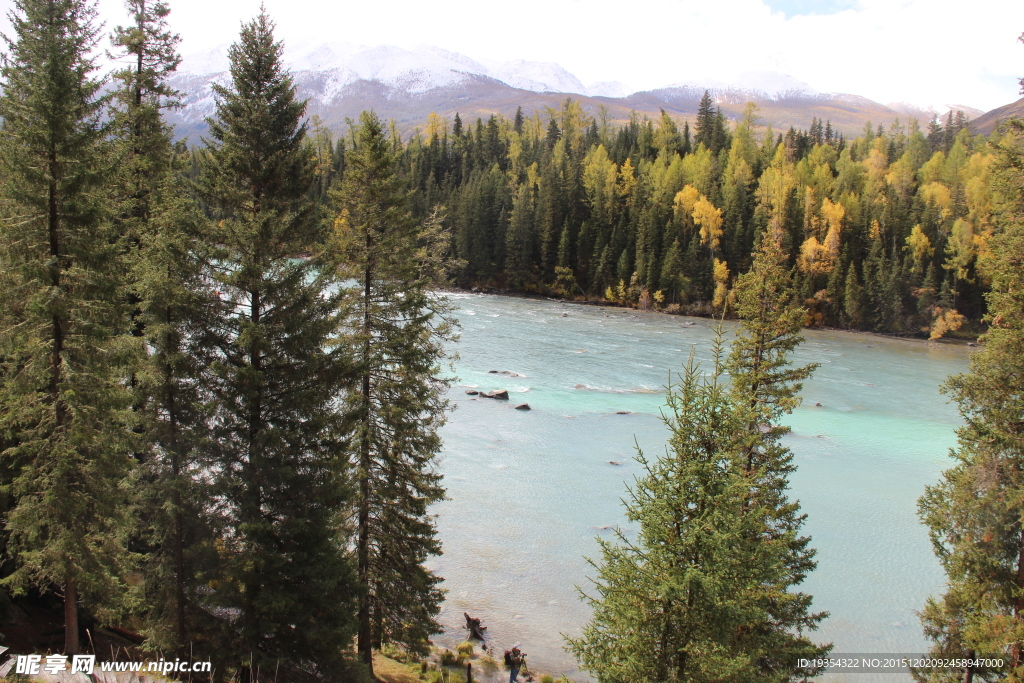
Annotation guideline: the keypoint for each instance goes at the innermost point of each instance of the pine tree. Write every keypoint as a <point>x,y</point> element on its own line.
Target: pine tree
<point>277,372</point>
<point>765,387</point>
<point>704,593</point>
<point>666,604</point>
<point>974,514</point>
<point>63,400</point>
<point>163,246</point>
<point>853,299</point>
<point>396,406</point>
<point>705,127</point>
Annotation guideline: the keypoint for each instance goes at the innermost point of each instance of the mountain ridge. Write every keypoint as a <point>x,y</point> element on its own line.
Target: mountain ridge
<point>342,79</point>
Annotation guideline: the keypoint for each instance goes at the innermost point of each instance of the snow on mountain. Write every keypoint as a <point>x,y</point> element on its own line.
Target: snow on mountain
<point>925,112</point>
<point>608,89</point>
<point>417,70</point>
<point>764,84</point>
<point>413,70</point>
<point>535,76</point>
<point>342,79</point>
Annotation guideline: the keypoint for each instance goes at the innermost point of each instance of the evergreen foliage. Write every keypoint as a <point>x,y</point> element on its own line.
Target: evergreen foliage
<point>163,247</point>
<point>277,443</point>
<point>611,204</point>
<point>704,593</point>
<point>669,604</point>
<point>974,514</point>
<point>63,404</point>
<point>764,388</point>
<point>397,330</point>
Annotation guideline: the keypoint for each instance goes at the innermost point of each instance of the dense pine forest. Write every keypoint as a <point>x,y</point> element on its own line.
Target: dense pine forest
<point>223,369</point>
<point>883,231</point>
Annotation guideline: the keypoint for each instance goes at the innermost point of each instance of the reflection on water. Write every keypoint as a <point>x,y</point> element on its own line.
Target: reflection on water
<point>529,491</point>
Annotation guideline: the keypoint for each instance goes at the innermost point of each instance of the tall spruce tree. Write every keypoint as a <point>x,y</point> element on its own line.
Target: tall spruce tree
<point>164,248</point>
<point>975,515</point>
<point>398,331</point>
<point>704,593</point>
<point>669,604</point>
<point>63,398</point>
<point>277,372</point>
<point>765,387</point>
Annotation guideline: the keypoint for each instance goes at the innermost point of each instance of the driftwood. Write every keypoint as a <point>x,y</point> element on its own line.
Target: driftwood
<point>475,629</point>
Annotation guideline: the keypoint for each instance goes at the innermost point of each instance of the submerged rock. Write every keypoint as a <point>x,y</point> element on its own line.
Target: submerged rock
<point>501,394</point>
<point>472,392</point>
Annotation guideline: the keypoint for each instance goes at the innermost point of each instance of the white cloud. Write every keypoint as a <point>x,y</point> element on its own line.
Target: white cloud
<point>920,51</point>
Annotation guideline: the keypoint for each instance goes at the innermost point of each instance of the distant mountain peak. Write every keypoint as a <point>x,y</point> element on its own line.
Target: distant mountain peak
<point>408,83</point>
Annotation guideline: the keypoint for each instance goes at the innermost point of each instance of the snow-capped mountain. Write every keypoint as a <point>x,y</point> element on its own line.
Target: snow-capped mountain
<point>407,84</point>
<point>414,70</point>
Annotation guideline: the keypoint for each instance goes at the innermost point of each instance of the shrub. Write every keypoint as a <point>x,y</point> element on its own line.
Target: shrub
<point>449,658</point>
<point>398,654</point>
<point>464,648</point>
<point>547,678</point>
<point>488,664</point>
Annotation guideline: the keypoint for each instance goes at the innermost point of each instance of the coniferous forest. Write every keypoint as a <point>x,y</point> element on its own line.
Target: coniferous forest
<point>223,368</point>
<point>883,232</point>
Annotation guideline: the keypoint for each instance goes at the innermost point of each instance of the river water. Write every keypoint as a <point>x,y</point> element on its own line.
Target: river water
<point>530,491</point>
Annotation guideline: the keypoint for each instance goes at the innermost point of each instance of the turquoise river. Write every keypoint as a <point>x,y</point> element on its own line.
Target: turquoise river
<point>530,491</point>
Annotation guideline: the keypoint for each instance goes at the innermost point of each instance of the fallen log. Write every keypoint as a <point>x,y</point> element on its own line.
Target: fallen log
<point>475,629</point>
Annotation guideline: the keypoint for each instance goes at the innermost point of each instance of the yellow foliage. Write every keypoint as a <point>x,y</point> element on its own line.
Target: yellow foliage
<point>875,231</point>
<point>901,175</point>
<point>938,194</point>
<point>933,170</point>
<point>876,164</point>
<point>773,190</point>
<point>659,297</point>
<point>814,257</point>
<point>945,321</point>
<point>627,179</point>
<point>709,218</point>
<point>599,175</point>
<point>436,125</point>
<point>720,271</point>
<point>684,202</point>
<point>961,248</point>
<point>920,247</point>
<point>833,215</point>
<point>721,295</point>
<point>533,175</point>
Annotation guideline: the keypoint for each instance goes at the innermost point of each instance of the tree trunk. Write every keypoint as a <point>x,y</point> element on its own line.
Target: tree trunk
<point>179,522</point>
<point>365,644</point>
<point>969,671</point>
<point>1017,649</point>
<point>70,618</point>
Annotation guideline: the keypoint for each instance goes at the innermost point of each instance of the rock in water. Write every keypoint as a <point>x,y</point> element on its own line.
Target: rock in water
<point>471,392</point>
<point>523,406</point>
<point>501,394</point>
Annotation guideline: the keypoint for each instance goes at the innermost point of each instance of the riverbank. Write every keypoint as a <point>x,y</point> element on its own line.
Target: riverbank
<point>967,336</point>
<point>469,661</point>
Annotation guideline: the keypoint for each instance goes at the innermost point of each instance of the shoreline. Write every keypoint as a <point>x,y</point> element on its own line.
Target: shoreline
<point>970,341</point>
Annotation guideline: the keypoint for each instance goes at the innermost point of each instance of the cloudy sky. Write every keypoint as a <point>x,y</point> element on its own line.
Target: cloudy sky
<point>925,52</point>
